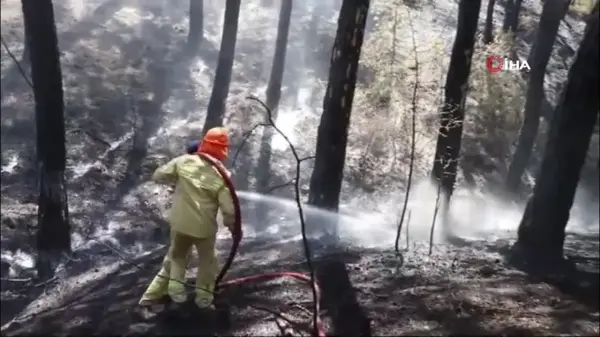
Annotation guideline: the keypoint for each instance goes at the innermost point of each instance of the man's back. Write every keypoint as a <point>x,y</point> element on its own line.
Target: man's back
<point>199,188</point>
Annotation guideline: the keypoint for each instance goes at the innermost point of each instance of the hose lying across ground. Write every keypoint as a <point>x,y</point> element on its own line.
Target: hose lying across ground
<point>237,237</point>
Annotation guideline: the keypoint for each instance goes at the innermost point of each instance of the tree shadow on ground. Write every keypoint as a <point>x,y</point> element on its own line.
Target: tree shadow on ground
<point>348,317</point>
<point>578,278</point>
<point>473,296</point>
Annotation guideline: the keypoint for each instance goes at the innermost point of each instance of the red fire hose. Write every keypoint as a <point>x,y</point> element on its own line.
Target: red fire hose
<point>237,238</point>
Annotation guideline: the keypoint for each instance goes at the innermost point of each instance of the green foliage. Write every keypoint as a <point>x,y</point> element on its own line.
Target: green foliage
<point>582,6</point>
<point>381,121</point>
<point>500,96</point>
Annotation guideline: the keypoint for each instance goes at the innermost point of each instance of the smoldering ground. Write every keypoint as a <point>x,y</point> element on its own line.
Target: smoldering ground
<point>128,83</point>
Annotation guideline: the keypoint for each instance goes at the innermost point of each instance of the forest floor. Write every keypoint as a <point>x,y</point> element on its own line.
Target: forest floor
<point>459,291</point>
<point>133,97</point>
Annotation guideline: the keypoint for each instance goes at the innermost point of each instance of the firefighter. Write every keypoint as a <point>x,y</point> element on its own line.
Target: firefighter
<point>200,192</point>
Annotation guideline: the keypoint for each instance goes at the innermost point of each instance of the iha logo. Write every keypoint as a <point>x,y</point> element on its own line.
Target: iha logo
<point>495,64</point>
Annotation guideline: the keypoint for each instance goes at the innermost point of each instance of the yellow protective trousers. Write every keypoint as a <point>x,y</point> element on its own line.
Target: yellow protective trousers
<point>171,277</point>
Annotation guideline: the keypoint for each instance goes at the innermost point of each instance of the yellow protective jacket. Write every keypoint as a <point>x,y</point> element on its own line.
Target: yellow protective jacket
<point>199,194</point>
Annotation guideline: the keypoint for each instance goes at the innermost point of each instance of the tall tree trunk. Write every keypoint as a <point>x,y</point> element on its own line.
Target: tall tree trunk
<point>332,136</point>
<point>447,150</point>
<point>488,31</point>
<point>25,58</point>
<point>552,13</point>
<point>218,97</point>
<point>339,297</point>
<point>274,93</point>
<point>511,16</point>
<point>542,229</point>
<point>53,231</point>
<point>283,28</point>
<point>531,55</point>
<point>196,29</point>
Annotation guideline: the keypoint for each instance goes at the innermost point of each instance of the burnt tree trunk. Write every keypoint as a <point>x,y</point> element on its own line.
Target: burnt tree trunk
<point>511,16</point>
<point>196,29</point>
<point>218,97</point>
<point>25,58</point>
<point>53,229</point>
<point>332,137</point>
<point>283,28</point>
<point>447,150</point>
<point>531,54</point>
<point>348,318</point>
<point>274,94</point>
<point>488,31</point>
<point>552,14</point>
<point>542,229</point>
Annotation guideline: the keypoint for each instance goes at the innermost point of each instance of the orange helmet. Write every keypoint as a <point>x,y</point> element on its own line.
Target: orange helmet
<point>216,143</point>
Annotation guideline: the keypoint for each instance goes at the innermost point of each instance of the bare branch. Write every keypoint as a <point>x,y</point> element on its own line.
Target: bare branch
<point>91,135</point>
<point>278,186</point>
<point>286,325</point>
<point>15,279</point>
<point>413,140</point>
<point>307,253</point>
<point>247,135</point>
<point>435,213</point>
<point>17,63</point>
<point>407,224</point>
<point>307,158</point>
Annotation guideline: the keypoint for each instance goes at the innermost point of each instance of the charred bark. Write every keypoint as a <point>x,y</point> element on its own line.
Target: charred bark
<point>25,58</point>
<point>218,97</point>
<point>542,229</point>
<point>283,28</point>
<point>453,112</point>
<point>552,14</point>
<point>531,54</point>
<point>53,229</point>
<point>332,137</point>
<point>196,29</point>
<point>511,16</point>
<point>488,31</point>
<point>274,94</point>
<point>348,317</point>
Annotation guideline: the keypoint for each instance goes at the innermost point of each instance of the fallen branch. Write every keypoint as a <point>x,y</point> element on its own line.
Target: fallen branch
<point>16,279</point>
<point>45,282</point>
<point>89,134</point>
<point>315,292</point>
<point>288,183</point>
<point>301,308</point>
<point>278,186</point>
<point>17,63</point>
<point>284,326</point>
<point>247,135</point>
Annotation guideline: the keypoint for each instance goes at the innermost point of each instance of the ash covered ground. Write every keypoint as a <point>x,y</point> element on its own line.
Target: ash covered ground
<point>133,98</point>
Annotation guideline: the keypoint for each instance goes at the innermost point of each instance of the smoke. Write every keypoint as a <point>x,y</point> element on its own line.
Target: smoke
<point>360,223</point>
